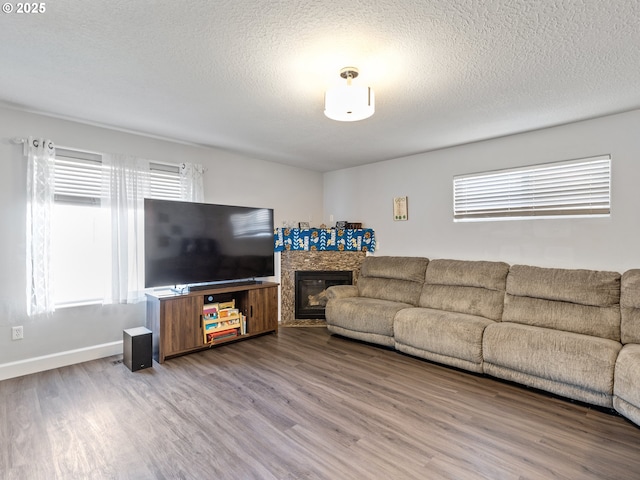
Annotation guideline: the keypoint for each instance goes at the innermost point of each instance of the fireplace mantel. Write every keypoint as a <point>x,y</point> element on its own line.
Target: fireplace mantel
<point>325,239</point>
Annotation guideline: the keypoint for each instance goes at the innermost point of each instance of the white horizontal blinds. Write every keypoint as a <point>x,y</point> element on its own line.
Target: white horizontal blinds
<point>77,177</point>
<point>164,182</point>
<point>572,188</point>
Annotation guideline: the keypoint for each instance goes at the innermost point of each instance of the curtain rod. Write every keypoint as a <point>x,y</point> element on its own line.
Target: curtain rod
<point>22,140</point>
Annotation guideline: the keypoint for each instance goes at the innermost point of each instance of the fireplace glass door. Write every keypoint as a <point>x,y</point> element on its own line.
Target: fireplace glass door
<point>311,291</point>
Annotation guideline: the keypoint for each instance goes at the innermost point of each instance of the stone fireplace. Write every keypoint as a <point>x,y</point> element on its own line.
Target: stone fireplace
<point>312,261</point>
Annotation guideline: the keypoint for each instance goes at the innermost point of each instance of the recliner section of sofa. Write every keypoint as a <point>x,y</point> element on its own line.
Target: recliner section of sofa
<point>386,285</point>
<point>459,300</point>
<point>574,333</point>
<point>560,332</point>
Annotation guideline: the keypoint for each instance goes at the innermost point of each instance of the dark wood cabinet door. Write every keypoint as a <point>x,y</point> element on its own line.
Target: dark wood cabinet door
<point>182,329</point>
<point>263,310</point>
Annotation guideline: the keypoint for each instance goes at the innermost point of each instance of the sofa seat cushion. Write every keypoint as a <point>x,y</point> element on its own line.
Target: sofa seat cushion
<point>626,387</point>
<point>565,363</point>
<point>365,315</point>
<point>445,337</point>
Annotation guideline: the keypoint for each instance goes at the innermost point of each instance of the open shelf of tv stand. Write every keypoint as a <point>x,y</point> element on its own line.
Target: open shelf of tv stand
<point>176,319</point>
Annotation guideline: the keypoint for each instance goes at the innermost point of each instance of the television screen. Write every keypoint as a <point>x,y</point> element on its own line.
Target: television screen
<point>189,243</point>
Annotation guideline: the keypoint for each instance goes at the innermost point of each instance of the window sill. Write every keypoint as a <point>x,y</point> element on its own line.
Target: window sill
<point>83,303</point>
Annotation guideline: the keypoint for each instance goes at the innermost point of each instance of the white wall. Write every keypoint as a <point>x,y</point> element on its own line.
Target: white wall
<point>77,333</point>
<point>365,194</point>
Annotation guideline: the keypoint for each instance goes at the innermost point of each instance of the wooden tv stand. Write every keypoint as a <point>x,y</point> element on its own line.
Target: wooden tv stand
<point>176,319</point>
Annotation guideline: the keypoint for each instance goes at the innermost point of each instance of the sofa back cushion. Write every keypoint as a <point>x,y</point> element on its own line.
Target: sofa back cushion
<point>579,301</point>
<point>398,279</point>
<point>471,287</point>
<point>630,307</point>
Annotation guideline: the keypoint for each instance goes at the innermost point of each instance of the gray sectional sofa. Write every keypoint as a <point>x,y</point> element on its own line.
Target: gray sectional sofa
<point>574,333</point>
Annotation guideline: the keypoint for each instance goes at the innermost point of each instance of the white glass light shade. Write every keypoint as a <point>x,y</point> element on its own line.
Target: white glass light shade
<point>349,103</point>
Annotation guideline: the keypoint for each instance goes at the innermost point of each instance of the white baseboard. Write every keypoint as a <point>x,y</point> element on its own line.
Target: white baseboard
<point>57,360</point>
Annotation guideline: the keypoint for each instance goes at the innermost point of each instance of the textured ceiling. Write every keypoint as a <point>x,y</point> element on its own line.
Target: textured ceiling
<point>249,76</point>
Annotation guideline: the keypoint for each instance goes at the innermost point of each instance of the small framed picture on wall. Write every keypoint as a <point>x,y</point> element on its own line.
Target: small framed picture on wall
<point>303,225</point>
<point>400,210</point>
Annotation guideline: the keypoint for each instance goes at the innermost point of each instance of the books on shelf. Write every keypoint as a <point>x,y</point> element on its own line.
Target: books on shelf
<point>221,335</point>
<point>209,325</point>
<point>221,321</point>
<point>210,311</point>
<point>211,307</point>
<point>223,309</point>
<point>228,312</point>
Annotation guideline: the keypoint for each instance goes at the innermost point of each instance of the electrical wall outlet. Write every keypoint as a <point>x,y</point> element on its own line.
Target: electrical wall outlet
<point>17,333</point>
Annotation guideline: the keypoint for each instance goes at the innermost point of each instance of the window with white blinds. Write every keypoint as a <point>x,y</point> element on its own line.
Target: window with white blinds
<point>164,182</point>
<point>80,237</point>
<point>562,189</point>
<point>77,177</point>
<point>81,228</point>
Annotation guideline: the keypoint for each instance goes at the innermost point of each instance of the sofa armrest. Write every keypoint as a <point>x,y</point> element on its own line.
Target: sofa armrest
<point>341,291</point>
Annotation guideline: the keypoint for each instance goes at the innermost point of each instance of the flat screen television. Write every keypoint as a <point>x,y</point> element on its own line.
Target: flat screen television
<point>188,243</point>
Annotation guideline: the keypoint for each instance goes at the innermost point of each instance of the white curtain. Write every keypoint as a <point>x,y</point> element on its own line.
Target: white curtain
<point>191,182</point>
<point>40,155</point>
<point>126,186</point>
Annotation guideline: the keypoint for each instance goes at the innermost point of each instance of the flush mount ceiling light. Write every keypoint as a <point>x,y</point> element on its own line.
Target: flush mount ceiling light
<point>349,103</point>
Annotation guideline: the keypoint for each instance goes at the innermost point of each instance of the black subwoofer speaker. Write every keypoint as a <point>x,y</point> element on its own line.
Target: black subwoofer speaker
<point>137,348</point>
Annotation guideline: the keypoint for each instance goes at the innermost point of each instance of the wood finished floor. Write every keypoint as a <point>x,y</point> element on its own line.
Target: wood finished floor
<point>300,405</point>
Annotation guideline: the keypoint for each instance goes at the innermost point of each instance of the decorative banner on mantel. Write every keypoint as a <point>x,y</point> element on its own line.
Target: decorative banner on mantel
<point>343,240</point>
